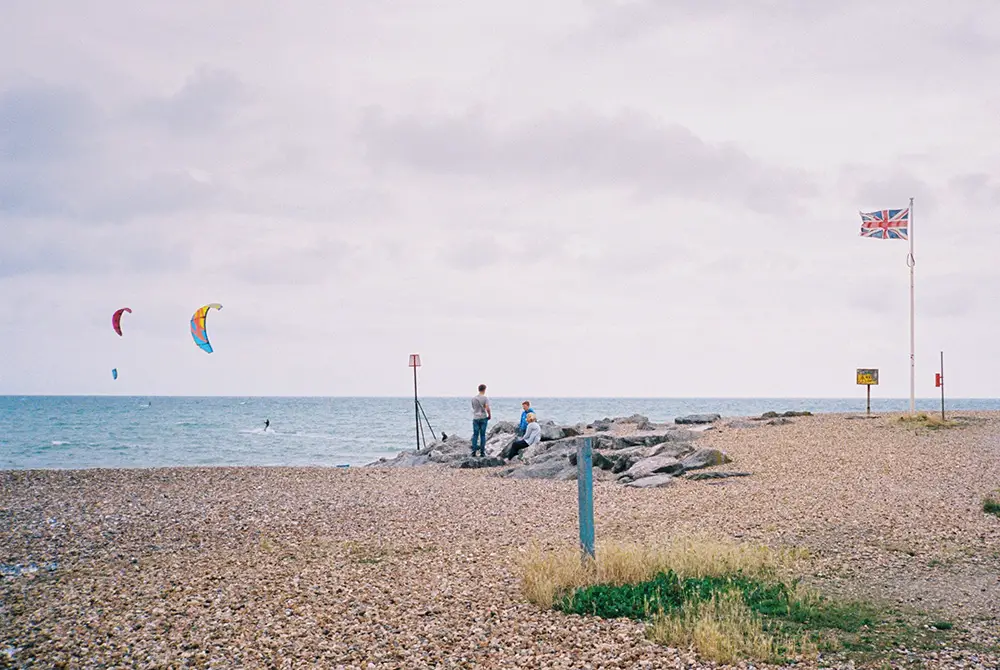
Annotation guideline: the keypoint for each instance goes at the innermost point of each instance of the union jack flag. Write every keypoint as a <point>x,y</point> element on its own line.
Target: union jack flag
<point>886,224</point>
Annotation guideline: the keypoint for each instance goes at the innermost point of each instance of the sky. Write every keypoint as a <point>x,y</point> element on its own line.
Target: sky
<point>637,198</point>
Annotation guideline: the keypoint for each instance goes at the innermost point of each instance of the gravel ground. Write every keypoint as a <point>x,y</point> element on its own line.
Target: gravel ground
<point>369,567</point>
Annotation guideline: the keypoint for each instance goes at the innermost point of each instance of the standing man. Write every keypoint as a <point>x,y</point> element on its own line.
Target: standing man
<point>525,411</point>
<point>481,415</point>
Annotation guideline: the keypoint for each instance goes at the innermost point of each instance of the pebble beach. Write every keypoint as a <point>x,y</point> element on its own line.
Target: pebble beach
<point>275,567</point>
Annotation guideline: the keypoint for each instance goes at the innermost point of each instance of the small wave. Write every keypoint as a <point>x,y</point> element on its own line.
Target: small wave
<point>59,443</point>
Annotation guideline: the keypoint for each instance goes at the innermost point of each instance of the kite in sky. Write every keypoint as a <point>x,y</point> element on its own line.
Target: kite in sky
<point>198,331</point>
<point>116,319</point>
<point>114,373</point>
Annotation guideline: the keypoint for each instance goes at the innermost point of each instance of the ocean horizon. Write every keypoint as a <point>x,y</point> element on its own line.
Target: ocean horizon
<point>111,431</point>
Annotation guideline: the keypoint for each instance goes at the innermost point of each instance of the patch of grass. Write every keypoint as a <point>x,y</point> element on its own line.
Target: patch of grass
<point>991,504</point>
<point>925,420</point>
<point>942,625</point>
<point>727,601</point>
<point>550,574</point>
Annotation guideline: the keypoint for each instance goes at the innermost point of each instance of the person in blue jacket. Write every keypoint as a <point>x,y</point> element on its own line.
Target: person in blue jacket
<point>526,409</point>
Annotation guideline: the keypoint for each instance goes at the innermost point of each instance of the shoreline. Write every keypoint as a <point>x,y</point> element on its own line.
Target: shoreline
<point>407,567</point>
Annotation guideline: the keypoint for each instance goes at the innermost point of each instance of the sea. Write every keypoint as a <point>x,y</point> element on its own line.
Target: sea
<point>71,432</point>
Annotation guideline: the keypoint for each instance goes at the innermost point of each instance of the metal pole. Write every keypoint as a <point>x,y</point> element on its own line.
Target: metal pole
<point>942,386</point>
<point>585,496</point>
<point>911,261</point>
<point>428,421</point>
<point>868,406</point>
<point>416,406</point>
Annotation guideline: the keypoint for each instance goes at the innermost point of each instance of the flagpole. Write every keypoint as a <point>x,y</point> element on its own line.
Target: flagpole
<point>911,262</point>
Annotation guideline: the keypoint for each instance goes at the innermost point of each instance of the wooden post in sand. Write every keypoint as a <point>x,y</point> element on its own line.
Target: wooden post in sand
<point>585,495</point>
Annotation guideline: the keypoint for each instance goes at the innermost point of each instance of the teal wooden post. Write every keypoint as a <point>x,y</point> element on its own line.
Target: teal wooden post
<point>585,495</point>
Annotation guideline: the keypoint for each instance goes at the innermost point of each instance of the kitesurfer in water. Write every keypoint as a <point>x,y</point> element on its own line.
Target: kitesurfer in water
<point>267,424</point>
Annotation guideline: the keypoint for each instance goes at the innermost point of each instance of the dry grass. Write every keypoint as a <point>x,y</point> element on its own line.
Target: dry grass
<point>548,575</point>
<point>925,420</point>
<point>724,630</point>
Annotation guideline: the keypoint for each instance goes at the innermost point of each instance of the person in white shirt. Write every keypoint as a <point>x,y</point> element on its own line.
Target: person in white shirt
<point>532,435</point>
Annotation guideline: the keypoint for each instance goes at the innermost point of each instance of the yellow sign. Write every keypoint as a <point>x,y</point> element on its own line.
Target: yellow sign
<point>868,377</point>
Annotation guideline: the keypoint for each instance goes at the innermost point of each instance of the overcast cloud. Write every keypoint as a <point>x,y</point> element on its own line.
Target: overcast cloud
<point>586,198</point>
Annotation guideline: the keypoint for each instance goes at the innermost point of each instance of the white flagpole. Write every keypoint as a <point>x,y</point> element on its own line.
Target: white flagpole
<point>910,261</point>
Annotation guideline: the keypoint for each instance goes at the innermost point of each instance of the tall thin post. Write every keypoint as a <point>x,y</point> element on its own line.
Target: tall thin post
<point>942,386</point>
<point>868,405</point>
<point>415,363</point>
<point>585,495</point>
<point>911,261</point>
<point>416,406</point>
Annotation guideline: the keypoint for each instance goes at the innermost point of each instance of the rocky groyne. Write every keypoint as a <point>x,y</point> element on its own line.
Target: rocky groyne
<point>630,450</point>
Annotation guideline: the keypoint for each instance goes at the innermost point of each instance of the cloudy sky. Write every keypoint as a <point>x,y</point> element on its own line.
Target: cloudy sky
<point>570,197</point>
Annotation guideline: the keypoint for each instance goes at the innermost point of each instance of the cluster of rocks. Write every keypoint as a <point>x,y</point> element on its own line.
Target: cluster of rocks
<point>630,450</point>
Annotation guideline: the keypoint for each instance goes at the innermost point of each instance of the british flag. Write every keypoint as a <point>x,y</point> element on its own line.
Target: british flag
<point>886,224</point>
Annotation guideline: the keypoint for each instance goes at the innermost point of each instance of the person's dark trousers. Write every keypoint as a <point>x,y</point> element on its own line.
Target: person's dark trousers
<point>479,436</point>
<point>513,449</point>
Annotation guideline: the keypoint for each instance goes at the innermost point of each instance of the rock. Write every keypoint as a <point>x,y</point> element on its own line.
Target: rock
<point>696,476</point>
<point>572,431</point>
<point>597,460</point>
<point>807,413</point>
<point>502,427</point>
<point>655,465</point>
<point>602,425</point>
<point>671,449</point>
<point>407,459</point>
<point>438,456</point>
<point>769,415</point>
<point>704,458</point>
<point>780,421</point>
<point>697,418</point>
<point>553,468</point>
<point>635,418</point>
<point>652,482</point>
<point>550,431</point>
<point>487,462</point>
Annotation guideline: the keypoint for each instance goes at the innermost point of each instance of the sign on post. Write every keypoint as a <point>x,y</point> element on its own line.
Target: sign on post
<point>868,377</point>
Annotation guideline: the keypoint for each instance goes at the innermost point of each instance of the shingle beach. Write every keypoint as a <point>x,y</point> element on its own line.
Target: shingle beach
<point>418,567</point>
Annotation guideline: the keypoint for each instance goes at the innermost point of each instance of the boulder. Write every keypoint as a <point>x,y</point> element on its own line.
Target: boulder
<point>652,482</point>
<point>697,476</point>
<point>793,413</point>
<point>780,421</point>
<point>697,418</point>
<point>502,427</point>
<point>552,468</point>
<point>487,462</point>
<point>655,465</point>
<point>704,458</point>
<point>550,431</point>
<point>407,459</point>
<point>597,460</point>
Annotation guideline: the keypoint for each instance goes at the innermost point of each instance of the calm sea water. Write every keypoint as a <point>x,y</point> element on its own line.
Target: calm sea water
<point>125,432</point>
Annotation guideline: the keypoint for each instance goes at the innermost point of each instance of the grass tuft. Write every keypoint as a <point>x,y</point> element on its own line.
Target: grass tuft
<point>925,420</point>
<point>727,601</point>
<point>724,629</point>
<point>991,504</point>
<point>547,575</point>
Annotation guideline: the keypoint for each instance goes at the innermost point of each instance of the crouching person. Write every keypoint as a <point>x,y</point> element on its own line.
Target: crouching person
<point>532,435</point>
